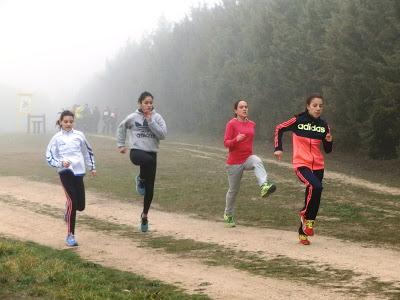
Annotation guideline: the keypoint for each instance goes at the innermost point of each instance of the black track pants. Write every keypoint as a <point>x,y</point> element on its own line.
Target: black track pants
<point>148,164</point>
<point>75,193</point>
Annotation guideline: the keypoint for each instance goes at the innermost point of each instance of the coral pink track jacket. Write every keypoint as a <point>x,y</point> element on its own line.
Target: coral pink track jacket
<point>239,151</point>
<point>307,134</point>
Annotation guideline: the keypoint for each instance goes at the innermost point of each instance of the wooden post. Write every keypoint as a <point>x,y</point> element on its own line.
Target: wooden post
<point>37,121</point>
<point>44,124</point>
<point>29,123</point>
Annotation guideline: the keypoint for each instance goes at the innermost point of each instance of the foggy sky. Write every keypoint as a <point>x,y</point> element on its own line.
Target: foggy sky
<point>54,47</point>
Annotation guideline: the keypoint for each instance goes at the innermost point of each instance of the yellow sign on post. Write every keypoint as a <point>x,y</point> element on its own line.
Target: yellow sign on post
<point>25,103</point>
<point>24,107</point>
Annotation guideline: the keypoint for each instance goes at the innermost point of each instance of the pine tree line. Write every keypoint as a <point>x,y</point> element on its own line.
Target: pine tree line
<point>272,53</point>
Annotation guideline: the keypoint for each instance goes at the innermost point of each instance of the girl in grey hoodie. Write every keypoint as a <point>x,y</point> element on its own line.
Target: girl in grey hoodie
<point>145,128</point>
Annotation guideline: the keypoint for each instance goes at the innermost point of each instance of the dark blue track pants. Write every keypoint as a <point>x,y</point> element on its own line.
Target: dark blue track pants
<point>313,182</point>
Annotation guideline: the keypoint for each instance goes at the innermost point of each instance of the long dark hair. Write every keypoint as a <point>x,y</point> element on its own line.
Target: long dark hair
<point>144,95</point>
<point>63,114</point>
<point>312,96</point>
<point>235,106</point>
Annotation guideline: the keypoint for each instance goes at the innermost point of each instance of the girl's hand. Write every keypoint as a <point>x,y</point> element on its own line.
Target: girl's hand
<point>66,163</point>
<point>122,150</point>
<point>93,172</point>
<point>240,137</point>
<point>278,154</point>
<point>328,137</point>
<point>147,114</point>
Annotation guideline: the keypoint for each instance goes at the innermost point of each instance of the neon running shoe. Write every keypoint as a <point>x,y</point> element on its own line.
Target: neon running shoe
<point>229,220</point>
<point>144,224</point>
<point>70,241</point>
<point>267,189</point>
<point>303,239</point>
<point>307,226</point>
<point>140,186</point>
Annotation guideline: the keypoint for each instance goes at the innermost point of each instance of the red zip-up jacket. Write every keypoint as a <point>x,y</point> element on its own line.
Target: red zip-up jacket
<point>239,151</point>
<point>307,134</point>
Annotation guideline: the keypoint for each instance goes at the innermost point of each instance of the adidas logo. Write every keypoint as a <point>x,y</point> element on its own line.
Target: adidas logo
<point>311,128</point>
<point>144,130</point>
<point>140,126</point>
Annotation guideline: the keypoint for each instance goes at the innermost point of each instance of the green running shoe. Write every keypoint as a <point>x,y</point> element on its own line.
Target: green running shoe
<point>229,220</point>
<point>267,189</point>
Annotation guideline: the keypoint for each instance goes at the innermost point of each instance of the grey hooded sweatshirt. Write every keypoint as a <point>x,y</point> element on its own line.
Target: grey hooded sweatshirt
<point>142,135</point>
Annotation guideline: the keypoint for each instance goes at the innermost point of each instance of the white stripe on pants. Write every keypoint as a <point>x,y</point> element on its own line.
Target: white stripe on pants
<point>235,172</point>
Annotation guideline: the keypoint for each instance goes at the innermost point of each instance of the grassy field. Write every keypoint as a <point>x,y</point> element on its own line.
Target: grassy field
<point>191,179</point>
<point>31,271</point>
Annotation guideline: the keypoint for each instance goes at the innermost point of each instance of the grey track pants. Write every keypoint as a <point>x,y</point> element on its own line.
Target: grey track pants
<point>235,173</point>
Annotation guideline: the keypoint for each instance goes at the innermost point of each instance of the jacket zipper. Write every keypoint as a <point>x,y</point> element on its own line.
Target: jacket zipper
<point>312,165</point>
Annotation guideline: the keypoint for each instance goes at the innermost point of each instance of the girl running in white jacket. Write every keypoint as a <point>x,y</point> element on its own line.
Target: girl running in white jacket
<point>68,151</point>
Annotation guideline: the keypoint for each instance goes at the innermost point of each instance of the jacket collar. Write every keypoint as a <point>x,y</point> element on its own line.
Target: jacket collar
<point>67,132</point>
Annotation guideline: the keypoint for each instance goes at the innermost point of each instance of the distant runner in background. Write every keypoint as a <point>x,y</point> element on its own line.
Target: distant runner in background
<point>106,121</point>
<point>146,128</point>
<point>69,151</point>
<point>308,131</point>
<point>239,136</point>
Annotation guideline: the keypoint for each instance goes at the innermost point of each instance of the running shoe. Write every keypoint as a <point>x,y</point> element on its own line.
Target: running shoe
<point>307,225</point>
<point>70,241</point>
<point>303,239</point>
<point>140,186</point>
<point>267,189</point>
<point>144,224</point>
<point>229,220</point>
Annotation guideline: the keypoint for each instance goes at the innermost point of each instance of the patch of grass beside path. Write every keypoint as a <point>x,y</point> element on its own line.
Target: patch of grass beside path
<point>31,271</point>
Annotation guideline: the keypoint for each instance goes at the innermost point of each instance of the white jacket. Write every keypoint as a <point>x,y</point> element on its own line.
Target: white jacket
<point>70,146</point>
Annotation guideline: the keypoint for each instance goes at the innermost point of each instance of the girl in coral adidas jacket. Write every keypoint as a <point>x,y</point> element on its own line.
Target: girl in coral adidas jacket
<point>309,130</point>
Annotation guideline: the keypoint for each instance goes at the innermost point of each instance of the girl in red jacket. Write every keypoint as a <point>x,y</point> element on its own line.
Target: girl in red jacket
<point>309,130</point>
<point>239,136</point>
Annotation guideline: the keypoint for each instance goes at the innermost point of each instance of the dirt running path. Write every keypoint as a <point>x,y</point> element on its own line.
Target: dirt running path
<point>379,188</point>
<point>125,254</point>
<point>377,262</point>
